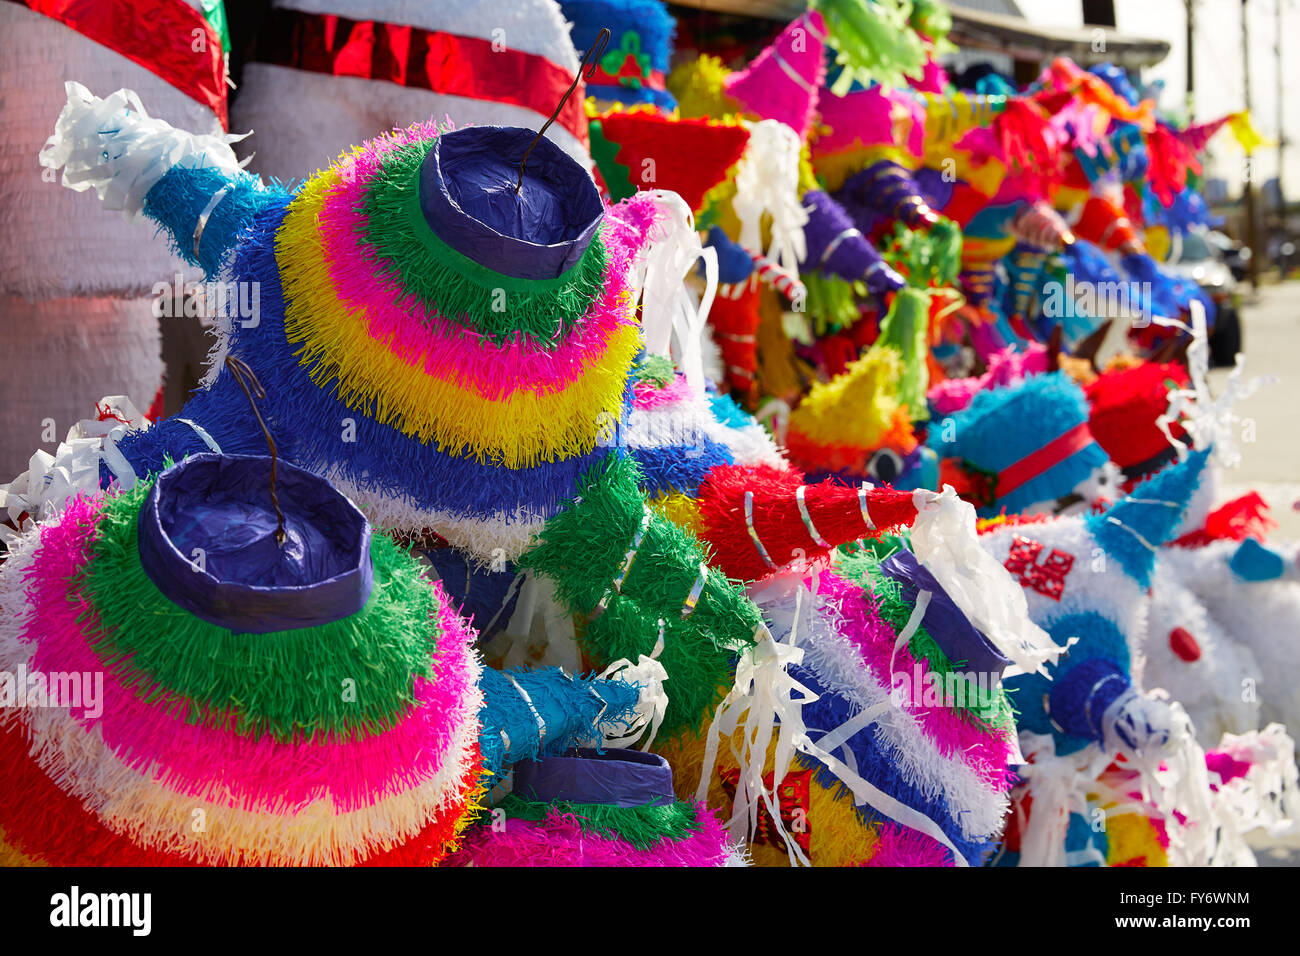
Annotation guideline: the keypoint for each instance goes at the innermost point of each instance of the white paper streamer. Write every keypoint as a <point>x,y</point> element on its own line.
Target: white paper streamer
<point>767,184</point>
<point>672,320</point>
<point>944,540</point>
<point>113,146</point>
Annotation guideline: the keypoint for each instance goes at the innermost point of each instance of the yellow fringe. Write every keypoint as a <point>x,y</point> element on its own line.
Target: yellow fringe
<point>858,407</point>
<point>526,429</point>
<point>1131,835</point>
<point>680,509</point>
<point>836,835</point>
<point>698,87</point>
<point>11,856</point>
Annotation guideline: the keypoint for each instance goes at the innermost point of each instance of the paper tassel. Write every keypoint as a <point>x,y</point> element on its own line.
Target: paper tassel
<point>943,538</point>
<point>767,186</point>
<point>669,310</point>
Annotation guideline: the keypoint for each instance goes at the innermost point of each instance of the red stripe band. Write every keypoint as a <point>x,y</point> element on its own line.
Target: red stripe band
<point>167,37</point>
<point>1053,453</point>
<point>421,59</point>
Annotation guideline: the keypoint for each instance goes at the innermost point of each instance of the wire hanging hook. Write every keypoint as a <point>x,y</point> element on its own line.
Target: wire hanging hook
<point>593,55</point>
<point>247,379</point>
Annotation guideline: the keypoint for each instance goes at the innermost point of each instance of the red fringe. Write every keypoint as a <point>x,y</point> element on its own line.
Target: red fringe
<point>1235,520</point>
<point>833,507</point>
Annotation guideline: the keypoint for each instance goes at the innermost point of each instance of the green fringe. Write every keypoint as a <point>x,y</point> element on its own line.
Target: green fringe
<point>832,302</point>
<point>872,41</point>
<point>582,550</point>
<point>992,708</point>
<point>287,683</point>
<point>457,287</point>
<point>658,370</point>
<point>906,329</point>
<point>643,827</point>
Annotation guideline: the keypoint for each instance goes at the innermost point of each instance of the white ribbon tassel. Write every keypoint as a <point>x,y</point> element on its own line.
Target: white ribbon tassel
<point>113,146</point>
<point>1209,421</point>
<point>767,183</point>
<point>764,691</point>
<point>671,319</point>
<point>653,701</point>
<point>51,480</point>
<point>944,540</point>
<point>1059,786</point>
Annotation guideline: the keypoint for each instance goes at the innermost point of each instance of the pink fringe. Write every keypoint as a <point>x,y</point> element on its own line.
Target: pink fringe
<point>1005,367</point>
<point>560,841</point>
<point>648,395</point>
<point>979,746</point>
<point>215,763</point>
<point>901,846</point>
<point>419,336</point>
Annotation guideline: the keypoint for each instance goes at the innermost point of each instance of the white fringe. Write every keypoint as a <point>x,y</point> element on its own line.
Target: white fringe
<point>975,806</point>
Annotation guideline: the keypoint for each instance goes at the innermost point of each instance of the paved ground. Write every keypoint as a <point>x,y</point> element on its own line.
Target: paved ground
<point>1271,464</point>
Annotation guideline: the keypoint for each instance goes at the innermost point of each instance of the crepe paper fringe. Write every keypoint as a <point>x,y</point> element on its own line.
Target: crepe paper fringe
<point>1006,367</point>
<point>642,827</point>
<point>872,41</point>
<point>1004,425</point>
<point>422,337</point>
<point>836,836</point>
<point>315,834</point>
<point>52,827</point>
<point>906,328</point>
<point>312,428</point>
<point>576,711</point>
<point>698,85</point>
<point>778,522</point>
<point>916,753</point>
<point>680,509</point>
<point>678,468</point>
<point>442,279</point>
<point>561,839</point>
<point>256,773</point>
<point>534,422</point>
<point>988,711</point>
<point>750,443</point>
<point>1134,526</point>
<point>651,392</point>
<point>582,549</point>
<point>884,776</point>
<point>178,199</point>
<point>672,445</point>
<point>900,846</point>
<point>858,409</point>
<point>958,734</point>
<point>284,684</point>
<point>134,804</point>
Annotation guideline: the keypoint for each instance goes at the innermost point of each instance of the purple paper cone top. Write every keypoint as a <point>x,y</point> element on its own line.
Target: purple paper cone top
<point>618,778</point>
<point>467,195</point>
<point>836,246</point>
<point>207,541</point>
<point>969,651</point>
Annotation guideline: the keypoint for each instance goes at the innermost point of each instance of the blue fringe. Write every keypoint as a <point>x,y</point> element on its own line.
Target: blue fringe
<point>994,431</point>
<point>573,709</point>
<point>1100,639</point>
<point>176,201</point>
<point>1154,522</point>
<point>669,468</point>
<point>307,420</point>
<point>878,766</point>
